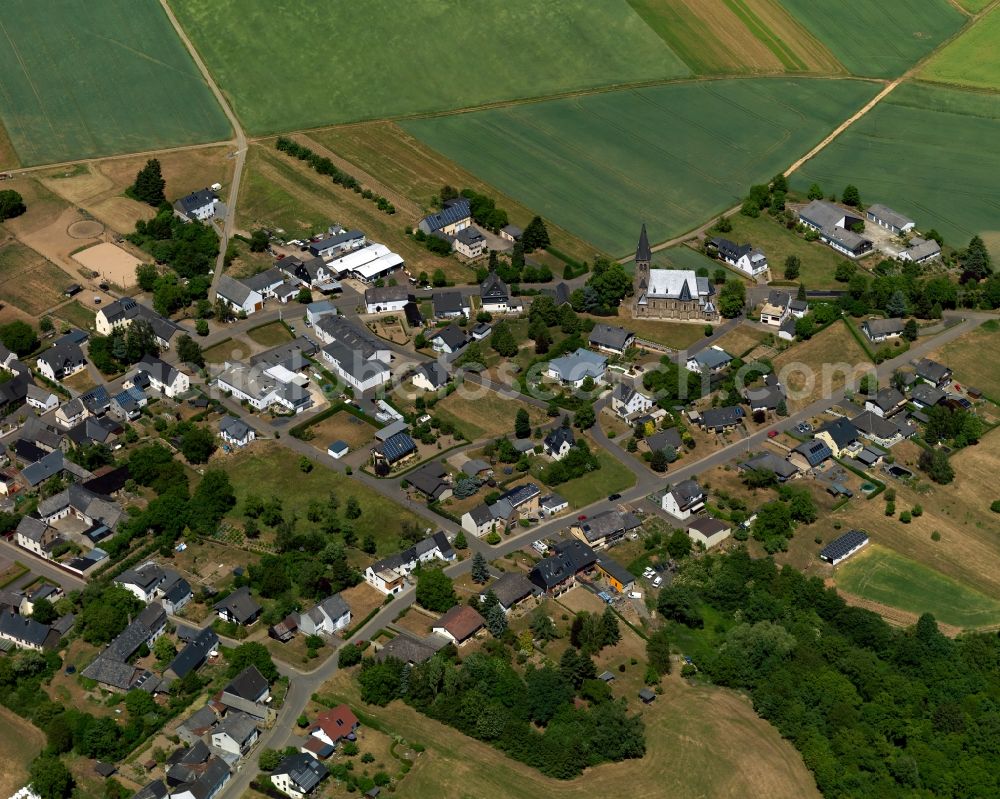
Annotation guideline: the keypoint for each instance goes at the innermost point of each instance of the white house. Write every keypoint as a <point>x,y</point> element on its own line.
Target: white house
<point>709,361</point>
<point>62,360</point>
<point>326,618</point>
<point>430,377</point>
<point>298,775</point>
<point>469,242</point>
<point>143,581</point>
<point>879,330</point>
<point>198,205</point>
<point>478,521</point>
<point>388,574</point>
<point>448,340</point>
<point>494,296</point>
<point>362,374</point>
<point>708,532</point>
<point>558,442</point>
<point>236,733</point>
<point>744,257</point>
<point>239,296</point>
<point>684,499</point>
<point>236,432</point>
<point>387,299</point>
<point>34,535</point>
<point>627,402</point>
<point>70,414</point>
<point>163,377</point>
<point>40,398</point>
<point>575,368</point>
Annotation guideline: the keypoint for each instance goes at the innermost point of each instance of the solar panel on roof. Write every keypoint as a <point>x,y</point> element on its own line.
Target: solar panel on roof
<point>840,547</point>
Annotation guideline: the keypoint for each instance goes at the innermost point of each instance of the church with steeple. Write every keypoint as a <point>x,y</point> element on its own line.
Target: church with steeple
<point>676,294</point>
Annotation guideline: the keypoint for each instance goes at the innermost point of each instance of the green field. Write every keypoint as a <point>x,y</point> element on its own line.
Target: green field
<point>878,38</point>
<point>612,477</point>
<point>922,151</point>
<point>971,59</point>
<point>880,575</point>
<point>670,155</point>
<point>85,79</point>
<point>295,65</point>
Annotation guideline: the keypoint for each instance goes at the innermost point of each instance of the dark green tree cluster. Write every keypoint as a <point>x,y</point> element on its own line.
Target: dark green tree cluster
<point>125,346</point>
<point>591,632</point>
<point>189,248</point>
<point>19,337</point>
<point>576,463</point>
<point>435,590</point>
<point>484,210</point>
<point>606,287</point>
<point>249,654</point>
<point>11,204</point>
<point>531,718</point>
<point>671,384</point>
<point>875,711</point>
<point>732,298</point>
<point>764,197</point>
<point>956,427</point>
<point>149,184</point>
<point>324,166</point>
<point>535,235</point>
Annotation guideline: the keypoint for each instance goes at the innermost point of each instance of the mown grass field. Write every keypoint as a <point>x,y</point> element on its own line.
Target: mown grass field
<point>20,742</point>
<point>816,368</point>
<point>270,335</point>
<point>613,477</point>
<point>883,576</point>
<point>486,415</point>
<point>878,38</point>
<point>267,470</point>
<point>383,58</point>
<point>887,154</point>
<point>971,59</point>
<point>965,357</point>
<point>611,154</point>
<point>84,79</point>
<point>733,36</point>
<point>701,741</point>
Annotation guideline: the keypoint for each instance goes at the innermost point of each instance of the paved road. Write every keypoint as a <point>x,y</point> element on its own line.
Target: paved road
<point>40,566</point>
<point>241,146</point>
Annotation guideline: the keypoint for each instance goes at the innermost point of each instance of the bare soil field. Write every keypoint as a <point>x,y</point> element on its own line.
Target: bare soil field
<point>815,368</point>
<point>362,599</point>
<point>20,742</point>
<point>343,426</point>
<point>111,262</point>
<point>28,280</point>
<point>700,741</point>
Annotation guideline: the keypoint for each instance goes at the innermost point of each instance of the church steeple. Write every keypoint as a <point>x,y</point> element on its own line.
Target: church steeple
<point>643,256</point>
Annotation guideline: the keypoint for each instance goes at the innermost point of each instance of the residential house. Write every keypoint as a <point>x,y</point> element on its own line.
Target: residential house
<point>317,310</point>
<point>120,314</point>
<point>338,241</point>
<point>236,432</point>
<point>430,377</point>
<point>933,373</point>
<point>248,692</point>
<point>36,536</point>
<point>386,299</point>
<point>886,402</point>
<point>604,529</point>
<point>711,360</point>
<point>154,790</point>
<point>459,624</point>
<point>40,397</point>
<point>236,733</point>
<point>143,581</point>
<point>409,649</point>
<point>879,330</point>
<point>328,617</point>
<point>315,273</point>
<point>835,226</point>
<point>920,251</point>
<point>388,574</point>
<point>193,655</point>
<point>26,632</point>
<point>61,361</point>
<point>557,573</point>
<point>432,480</point>
<point>769,462</point>
<point>163,377</point>
<point>746,258</point>
<point>577,367</point>
<point>810,454</point>
<point>780,307</point>
<point>448,340</point>
<point>450,305</point>
<point>468,242</point>
<point>611,339</point>
<point>885,217</point>
<point>523,498</point>
<point>882,431</point>
<point>840,436</point>
<point>397,448</point>
<point>510,589</point>
<point>618,577</point>
<point>239,607</point>
<point>494,296</point>
<point>767,397</point>
<point>207,781</point>
<point>335,725</point>
<point>627,402</point>
<point>270,284</point>
<point>718,420</point>
<point>558,442</point>
<point>924,395</point>
<point>480,521</point>
<point>455,215</point>
<point>239,296</point>
<point>708,532</point>
<point>359,367</point>
<point>197,206</point>
<point>263,388</point>
<point>683,499</point>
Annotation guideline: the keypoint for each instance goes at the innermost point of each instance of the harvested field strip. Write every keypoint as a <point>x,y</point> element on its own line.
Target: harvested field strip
<point>20,742</point>
<point>878,38</point>
<point>885,154</point>
<point>508,51</point>
<point>571,156</point>
<point>80,80</point>
<point>756,26</point>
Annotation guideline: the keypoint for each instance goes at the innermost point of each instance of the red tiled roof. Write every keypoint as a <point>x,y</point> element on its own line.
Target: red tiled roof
<point>461,621</point>
<point>336,722</point>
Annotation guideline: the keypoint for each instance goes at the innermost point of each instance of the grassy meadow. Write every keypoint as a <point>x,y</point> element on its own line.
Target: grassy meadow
<point>970,60</point>
<point>878,38</point>
<point>79,80</point>
<point>888,154</point>
<point>384,58</point>
<point>607,153</point>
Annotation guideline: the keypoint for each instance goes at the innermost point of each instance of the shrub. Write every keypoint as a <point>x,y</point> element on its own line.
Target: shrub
<point>935,536</point>
<point>917,511</point>
<point>890,508</point>
<point>904,517</point>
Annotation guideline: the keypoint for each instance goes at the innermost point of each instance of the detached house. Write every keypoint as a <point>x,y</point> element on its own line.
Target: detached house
<point>236,432</point>
<point>71,413</point>
<point>448,340</point>
<point>933,373</point>
<point>556,574</point>
<point>840,436</point>
<point>810,454</point>
<point>575,368</point>
<point>510,589</point>
<point>781,308</point>
<point>709,361</point>
<point>468,242</point>
<point>335,725</point>
<point>744,257</point>
<point>298,775</point>
<point>61,361</point>
<point>450,305</point>
<point>456,215</point>
<point>559,442</point>
<point>459,624</point>
<point>626,401</point>
<point>163,377</point>
<point>39,397</point>
<point>604,529</point>
<point>197,206</point>
<point>239,296</point>
<point>239,608</point>
<point>329,616</point>
<point>495,296</point>
<point>611,339</point>
<point>388,575</point>
<point>684,499</point>
<point>835,227</point>
<point>35,536</point>
<point>886,402</point>
<point>879,330</point>
<point>387,299</point>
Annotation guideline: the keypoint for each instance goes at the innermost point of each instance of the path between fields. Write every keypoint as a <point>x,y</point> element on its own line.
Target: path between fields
<point>229,223</point>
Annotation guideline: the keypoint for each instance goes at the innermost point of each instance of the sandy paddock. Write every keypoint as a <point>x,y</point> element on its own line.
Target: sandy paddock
<point>112,263</point>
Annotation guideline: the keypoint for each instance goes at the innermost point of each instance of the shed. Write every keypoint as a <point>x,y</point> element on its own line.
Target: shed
<point>646,696</point>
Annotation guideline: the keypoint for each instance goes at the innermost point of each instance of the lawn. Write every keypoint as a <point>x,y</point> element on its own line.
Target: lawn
<point>970,60</point>
<point>965,357</point>
<point>271,470</point>
<point>612,477</point>
<point>816,368</point>
<point>878,38</point>
<point>229,349</point>
<point>394,157</point>
<point>677,335</point>
<point>28,280</point>
<point>741,340</point>
<point>86,79</point>
<point>734,36</point>
<point>608,151</point>
<point>885,154</point>
<point>880,575</point>
<point>20,742</point>
<point>818,262</point>
<point>270,335</point>
<point>484,413</point>
<point>75,314</point>
<point>700,741</point>
<point>254,50</point>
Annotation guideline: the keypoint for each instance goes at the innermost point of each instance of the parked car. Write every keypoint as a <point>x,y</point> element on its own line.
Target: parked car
<point>772,433</point>
<point>614,497</point>
<point>658,582</point>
